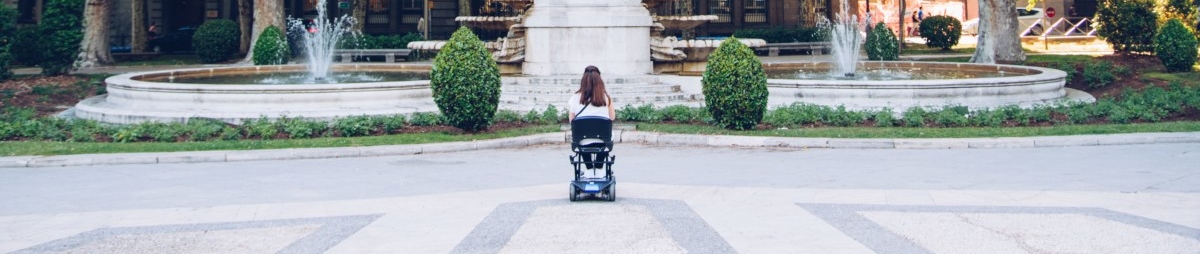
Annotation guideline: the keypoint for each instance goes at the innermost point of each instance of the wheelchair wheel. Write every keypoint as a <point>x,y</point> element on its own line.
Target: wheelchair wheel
<point>573,193</point>
<point>612,193</point>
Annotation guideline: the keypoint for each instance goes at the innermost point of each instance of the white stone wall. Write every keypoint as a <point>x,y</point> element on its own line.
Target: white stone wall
<point>565,36</point>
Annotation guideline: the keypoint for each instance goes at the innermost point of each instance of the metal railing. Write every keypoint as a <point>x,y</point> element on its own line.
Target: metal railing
<point>1063,27</point>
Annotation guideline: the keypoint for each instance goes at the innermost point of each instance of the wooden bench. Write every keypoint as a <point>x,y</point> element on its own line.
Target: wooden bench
<point>389,55</point>
<point>815,48</point>
<point>135,56</point>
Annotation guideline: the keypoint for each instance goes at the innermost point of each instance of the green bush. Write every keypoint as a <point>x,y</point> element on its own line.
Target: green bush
<point>508,116</point>
<point>61,32</point>
<point>643,113</point>
<point>735,86</point>
<point>941,31</point>
<point>1127,25</point>
<point>1175,46</point>
<point>914,117</point>
<point>425,119</point>
<point>355,126</point>
<point>884,118</point>
<point>466,82</point>
<point>882,44</point>
<point>785,34</point>
<point>1066,66</point>
<point>8,27</point>
<point>26,38</point>
<point>215,40</point>
<point>1099,73</point>
<point>271,48</point>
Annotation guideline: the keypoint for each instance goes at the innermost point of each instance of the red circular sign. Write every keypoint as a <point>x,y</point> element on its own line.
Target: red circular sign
<point>1050,12</point>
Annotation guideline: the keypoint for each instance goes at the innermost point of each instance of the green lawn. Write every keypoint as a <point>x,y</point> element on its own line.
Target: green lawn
<point>902,132</point>
<point>11,148</point>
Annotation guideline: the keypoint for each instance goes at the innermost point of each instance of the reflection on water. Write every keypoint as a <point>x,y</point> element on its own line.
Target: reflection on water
<point>290,78</point>
<point>885,74</point>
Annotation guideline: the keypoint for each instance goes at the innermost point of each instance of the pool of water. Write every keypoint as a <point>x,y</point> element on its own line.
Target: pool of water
<point>291,78</point>
<point>894,73</point>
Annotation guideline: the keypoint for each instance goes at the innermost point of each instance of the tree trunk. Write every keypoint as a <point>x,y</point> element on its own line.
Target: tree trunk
<point>94,49</point>
<point>464,7</point>
<point>266,13</point>
<point>137,42</point>
<point>360,15</point>
<point>998,41</point>
<point>245,17</point>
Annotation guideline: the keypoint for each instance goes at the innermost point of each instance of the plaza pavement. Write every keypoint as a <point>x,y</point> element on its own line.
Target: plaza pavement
<point>1121,193</point>
<point>1126,193</point>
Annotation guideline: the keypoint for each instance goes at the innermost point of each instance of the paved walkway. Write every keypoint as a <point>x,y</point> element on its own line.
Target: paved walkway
<point>672,199</point>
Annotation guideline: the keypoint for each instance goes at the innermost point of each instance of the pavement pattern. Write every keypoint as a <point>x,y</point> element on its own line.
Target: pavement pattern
<point>1136,198</point>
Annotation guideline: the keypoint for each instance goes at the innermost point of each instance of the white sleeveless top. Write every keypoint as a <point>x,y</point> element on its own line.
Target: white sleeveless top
<point>591,110</point>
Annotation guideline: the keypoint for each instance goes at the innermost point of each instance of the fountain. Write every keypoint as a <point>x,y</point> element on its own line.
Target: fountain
<point>549,44</point>
<point>317,90</point>
<point>320,43</point>
<point>872,85</point>
<point>845,41</point>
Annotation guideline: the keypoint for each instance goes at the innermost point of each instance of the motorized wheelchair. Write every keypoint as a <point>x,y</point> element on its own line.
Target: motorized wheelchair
<point>592,137</point>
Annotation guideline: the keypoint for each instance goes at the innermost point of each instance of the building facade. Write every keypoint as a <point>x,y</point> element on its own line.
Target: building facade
<point>403,16</point>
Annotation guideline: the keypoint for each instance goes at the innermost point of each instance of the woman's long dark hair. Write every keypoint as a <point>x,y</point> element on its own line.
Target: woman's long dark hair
<point>590,86</point>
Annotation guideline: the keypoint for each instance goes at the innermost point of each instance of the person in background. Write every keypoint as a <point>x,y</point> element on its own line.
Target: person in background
<point>867,20</point>
<point>914,28</point>
<point>152,31</point>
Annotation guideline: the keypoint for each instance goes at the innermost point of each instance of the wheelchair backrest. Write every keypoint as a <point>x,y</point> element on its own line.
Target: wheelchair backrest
<point>585,129</point>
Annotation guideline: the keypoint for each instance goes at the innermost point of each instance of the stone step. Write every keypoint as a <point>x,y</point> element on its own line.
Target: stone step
<point>514,98</point>
<point>612,89</point>
<point>526,107</point>
<point>574,80</point>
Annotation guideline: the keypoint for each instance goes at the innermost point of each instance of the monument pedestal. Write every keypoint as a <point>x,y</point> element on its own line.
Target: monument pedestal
<point>565,36</point>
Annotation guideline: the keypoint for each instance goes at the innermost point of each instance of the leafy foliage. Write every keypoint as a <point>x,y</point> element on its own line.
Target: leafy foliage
<point>785,34</point>
<point>1099,73</point>
<point>1176,46</point>
<point>1127,24</point>
<point>8,26</point>
<point>735,86</point>
<point>466,82</point>
<point>882,44</point>
<point>941,31</point>
<point>26,38</point>
<point>216,39</point>
<point>61,33</point>
<point>271,48</point>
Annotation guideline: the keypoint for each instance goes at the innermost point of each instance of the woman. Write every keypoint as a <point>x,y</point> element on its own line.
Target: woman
<point>591,101</point>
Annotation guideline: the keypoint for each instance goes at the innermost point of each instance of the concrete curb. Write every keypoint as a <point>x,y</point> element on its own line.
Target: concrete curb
<point>620,135</point>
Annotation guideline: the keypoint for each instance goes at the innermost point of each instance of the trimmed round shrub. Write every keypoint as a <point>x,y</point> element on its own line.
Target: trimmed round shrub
<point>272,47</point>
<point>26,39</point>
<point>882,44</point>
<point>8,26</point>
<point>1127,24</point>
<point>61,32</point>
<point>941,31</point>
<point>1175,46</point>
<point>216,39</point>
<point>466,82</point>
<point>735,86</point>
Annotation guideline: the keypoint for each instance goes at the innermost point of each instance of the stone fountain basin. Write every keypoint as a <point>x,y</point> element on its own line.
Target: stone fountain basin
<point>683,22</point>
<point>489,22</point>
<point>132,99</point>
<point>1023,86</point>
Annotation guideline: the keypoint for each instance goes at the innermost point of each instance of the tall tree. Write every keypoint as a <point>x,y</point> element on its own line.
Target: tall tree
<point>360,15</point>
<point>266,13</point>
<point>998,41</point>
<point>137,28</point>
<point>245,17</point>
<point>93,50</point>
